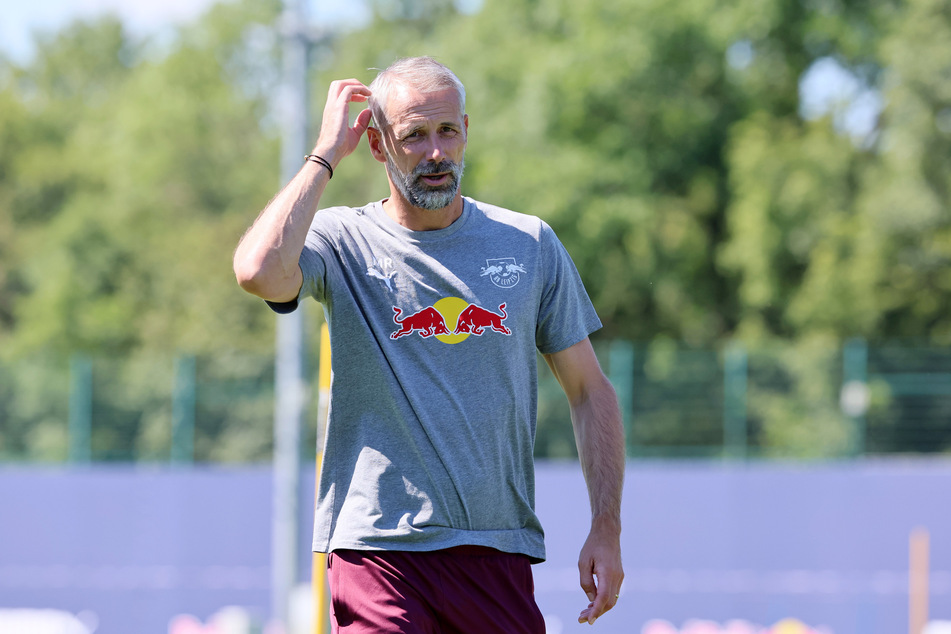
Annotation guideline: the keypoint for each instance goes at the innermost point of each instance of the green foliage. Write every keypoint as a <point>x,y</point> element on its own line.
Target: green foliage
<point>133,180</point>
<point>662,140</point>
<point>794,401</point>
<point>664,143</point>
<point>34,409</point>
<point>127,174</point>
<point>907,192</point>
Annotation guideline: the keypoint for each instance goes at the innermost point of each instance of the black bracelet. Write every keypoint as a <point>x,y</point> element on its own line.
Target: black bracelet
<point>321,161</point>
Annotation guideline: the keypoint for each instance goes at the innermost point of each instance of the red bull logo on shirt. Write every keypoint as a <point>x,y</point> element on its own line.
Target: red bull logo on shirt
<point>451,320</point>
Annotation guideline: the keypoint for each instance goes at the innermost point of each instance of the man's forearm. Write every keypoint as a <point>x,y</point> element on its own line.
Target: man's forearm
<point>266,260</point>
<point>600,438</point>
<point>599,434</point>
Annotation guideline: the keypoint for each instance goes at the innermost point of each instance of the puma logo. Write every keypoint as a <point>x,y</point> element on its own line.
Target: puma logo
<point>378,270</point>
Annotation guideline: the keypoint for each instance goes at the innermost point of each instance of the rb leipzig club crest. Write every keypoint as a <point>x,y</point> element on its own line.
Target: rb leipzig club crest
<point>502,271</point>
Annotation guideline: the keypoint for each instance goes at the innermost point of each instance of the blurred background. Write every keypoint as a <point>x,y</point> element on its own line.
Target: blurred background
<point>756,194</point>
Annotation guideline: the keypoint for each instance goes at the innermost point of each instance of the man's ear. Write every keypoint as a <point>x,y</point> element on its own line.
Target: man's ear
<point>375,140</point>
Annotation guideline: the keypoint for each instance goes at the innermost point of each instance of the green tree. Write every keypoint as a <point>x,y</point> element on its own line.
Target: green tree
<point>139,179</point>
<point>906,196</point>
<point>617,123</point>
<point>129,171</point>
<point>664,141</point>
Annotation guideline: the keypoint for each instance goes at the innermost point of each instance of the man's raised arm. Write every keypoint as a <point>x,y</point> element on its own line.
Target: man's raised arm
<point>266,262</point>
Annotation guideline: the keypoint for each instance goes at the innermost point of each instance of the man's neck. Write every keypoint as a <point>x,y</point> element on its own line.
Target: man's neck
<point>418,219</point>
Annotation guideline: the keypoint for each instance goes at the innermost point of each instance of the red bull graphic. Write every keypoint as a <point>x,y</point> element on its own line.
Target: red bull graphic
<point>475,319</point>
<point>451,320</point>
<point>428,322</point>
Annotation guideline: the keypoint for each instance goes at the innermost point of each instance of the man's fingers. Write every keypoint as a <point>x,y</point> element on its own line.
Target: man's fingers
<point>601,571</point>
<point>362,121</point>
<point>590,587</point>
<point>337,138</point>
<point>342,92</point>
<point>357,93</point>
<point>602,585</point>
<point>587,582</point>
<point>585,614</point>
<point>602,603</point>
<point>354,86</point>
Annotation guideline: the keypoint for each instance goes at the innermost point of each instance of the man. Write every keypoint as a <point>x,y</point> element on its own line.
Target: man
<point>436,305</point>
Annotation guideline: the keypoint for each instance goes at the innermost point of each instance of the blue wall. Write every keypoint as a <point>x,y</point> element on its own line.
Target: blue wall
<point>825,543</point>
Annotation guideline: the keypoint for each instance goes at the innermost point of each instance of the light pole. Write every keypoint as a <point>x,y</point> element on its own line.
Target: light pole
<point>290,376</point>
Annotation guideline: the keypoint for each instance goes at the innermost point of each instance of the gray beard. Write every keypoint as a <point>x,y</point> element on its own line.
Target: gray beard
<point>421,195</point>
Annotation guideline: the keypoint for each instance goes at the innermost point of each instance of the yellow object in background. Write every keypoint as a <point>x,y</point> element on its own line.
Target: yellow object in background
<point>319,562</point>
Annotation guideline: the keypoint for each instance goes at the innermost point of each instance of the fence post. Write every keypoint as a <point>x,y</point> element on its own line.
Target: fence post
<point>183,410</point>
<point>80,410</point>
<point>621,374</point>
<point>734,400</point>
<point>854,398</point>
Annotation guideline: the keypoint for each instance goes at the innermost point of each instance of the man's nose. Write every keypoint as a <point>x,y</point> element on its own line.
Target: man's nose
<point>436,153</point>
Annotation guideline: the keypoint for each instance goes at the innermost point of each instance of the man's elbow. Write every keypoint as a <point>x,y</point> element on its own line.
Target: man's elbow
<point>250,285</point>
<point>596,388</point>
<point>246,273</point>
<point>252,277</point>
<point>266,282</point>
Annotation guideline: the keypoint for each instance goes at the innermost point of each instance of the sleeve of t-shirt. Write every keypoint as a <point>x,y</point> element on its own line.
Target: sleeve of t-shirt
<point>313,266</point>
<point>565,315</point>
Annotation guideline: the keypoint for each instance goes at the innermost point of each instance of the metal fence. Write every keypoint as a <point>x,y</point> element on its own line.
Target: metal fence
<point>795,400</point>
<point>803,400</point>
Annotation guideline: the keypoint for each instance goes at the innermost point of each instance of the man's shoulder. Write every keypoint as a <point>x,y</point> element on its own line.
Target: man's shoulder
<point>518,220</point>
<point>334,217</point>
<point>343,211</point>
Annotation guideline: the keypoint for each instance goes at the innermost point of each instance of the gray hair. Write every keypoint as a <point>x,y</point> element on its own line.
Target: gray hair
<point>421,73</point>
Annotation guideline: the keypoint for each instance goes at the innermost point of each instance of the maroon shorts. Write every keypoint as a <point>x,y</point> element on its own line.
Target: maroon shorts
<point>464,589</point>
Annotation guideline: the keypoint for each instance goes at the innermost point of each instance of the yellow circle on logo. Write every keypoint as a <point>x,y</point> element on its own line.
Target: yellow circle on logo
<point>450,308</point>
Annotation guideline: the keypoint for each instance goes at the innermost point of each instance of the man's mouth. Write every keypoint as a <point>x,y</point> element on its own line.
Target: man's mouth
<point>435,180</point>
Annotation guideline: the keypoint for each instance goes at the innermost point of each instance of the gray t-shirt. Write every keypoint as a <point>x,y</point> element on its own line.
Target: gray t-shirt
<point>434,390</point>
